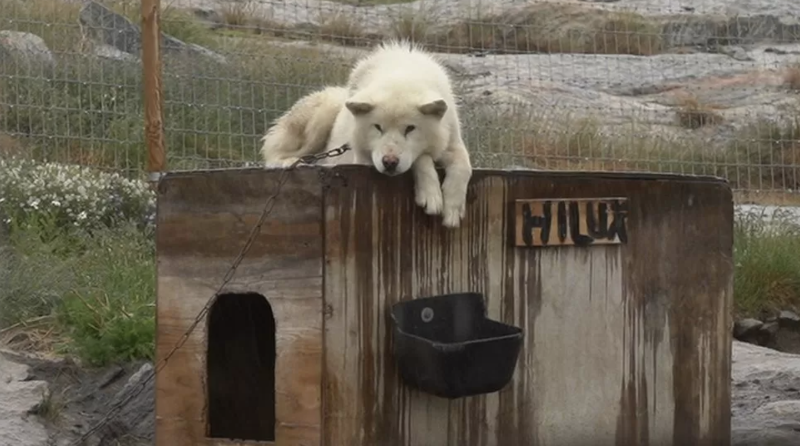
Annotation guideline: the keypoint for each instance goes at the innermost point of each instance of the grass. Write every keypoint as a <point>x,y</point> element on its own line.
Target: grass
<point>414,25</point>
<point>769,153</point>
<point>239,13</point>
<point>554,28</point>
<point>762,158</point>
<point>791,78</point>
<point>767,267</point>
<point>96,292</point>
<point>692,114</point>
<point>50,407</point>
<point>339,27</point>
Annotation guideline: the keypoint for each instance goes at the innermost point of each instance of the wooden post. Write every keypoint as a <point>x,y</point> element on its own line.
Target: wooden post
<point>153,101</point>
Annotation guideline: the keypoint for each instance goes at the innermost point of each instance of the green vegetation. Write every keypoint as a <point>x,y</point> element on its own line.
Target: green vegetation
<point>77,252</point>
<point>97,291</point>
<point>767,277</point>
<point>89,110</point>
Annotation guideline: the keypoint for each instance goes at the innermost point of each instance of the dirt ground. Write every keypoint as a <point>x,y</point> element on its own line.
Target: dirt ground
<point>80,397</point>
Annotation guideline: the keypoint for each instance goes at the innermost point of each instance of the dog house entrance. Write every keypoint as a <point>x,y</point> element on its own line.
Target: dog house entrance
<point>241,368</point>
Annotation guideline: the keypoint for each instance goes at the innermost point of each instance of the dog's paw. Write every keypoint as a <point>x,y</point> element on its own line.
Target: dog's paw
<point>281,164</point>
<point>430,199</point>
<point>454,209</point>
<point>451,217</point>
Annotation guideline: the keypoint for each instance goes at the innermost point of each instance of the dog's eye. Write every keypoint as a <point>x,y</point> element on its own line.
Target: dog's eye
<point>410,129</point>
<point>379,128</point>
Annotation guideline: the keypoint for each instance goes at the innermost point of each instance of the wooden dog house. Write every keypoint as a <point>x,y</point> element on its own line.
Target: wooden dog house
<point>627,333</point>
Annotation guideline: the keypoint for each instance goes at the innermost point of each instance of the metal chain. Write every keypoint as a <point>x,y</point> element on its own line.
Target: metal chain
<point>268,205</point>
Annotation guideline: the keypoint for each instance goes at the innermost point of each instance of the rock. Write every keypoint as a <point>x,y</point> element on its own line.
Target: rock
<point>693,29</point>
<point>136,417</point>
<point>765,335</point>
<point>765,397</point>
<point>745,327</point>
<point>209,16</point>
<point>789,319</point>
<point>109,52</point>
<point>18,397</point>
<point>770,328</point>
<point>114,30</point>
<point>26,49</point>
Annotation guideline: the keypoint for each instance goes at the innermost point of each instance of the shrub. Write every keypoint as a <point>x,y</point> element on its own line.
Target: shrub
<point>33,273</point>
<point>71,195</point>
<point>692,114</point>
<point>769,151</point>
<point>110,315</point>
<point>95,292</point>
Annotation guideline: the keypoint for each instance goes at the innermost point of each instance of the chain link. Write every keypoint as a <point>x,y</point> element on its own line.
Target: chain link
<point>268,205</point>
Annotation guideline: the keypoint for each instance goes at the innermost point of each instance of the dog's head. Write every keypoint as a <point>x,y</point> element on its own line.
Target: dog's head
<point>394,129</point>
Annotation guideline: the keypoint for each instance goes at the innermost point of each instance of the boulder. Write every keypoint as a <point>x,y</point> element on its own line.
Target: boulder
<point>765,397</point>
<point>112,29</point>
<point>24,52</point>
<point>20,396</point>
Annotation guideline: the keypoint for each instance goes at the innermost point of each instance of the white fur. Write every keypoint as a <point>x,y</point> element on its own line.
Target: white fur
<point>304,129</point>
<point>396,86</point>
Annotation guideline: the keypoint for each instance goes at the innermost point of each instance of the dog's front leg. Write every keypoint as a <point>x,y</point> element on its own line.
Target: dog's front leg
<point>428,192</point>
<point>458,171</point>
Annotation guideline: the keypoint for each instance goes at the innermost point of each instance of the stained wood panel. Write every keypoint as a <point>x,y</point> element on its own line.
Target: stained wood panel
<point>611,333</point>
<point>204,219</point>
<point>565,222</point>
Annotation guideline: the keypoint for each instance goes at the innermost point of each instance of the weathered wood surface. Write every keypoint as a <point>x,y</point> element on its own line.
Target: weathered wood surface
<point>204,220</point>
<point>562,222</point>
<point>624,344</point>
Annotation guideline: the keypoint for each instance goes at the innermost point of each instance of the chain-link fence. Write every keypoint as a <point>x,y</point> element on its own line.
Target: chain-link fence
<point>707,87</point>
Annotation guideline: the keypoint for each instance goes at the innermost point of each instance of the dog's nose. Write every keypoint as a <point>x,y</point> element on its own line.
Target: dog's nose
<point>390,162</point>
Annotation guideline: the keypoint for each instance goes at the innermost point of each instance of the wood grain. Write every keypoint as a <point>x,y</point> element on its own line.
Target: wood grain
<point>568,222</point>
<point>606,359</point>
<point>204,220</point>
<point>151,86</point>
<point>624,344</point>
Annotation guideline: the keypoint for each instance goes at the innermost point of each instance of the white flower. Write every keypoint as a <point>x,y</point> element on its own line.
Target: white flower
<point>73,194</point>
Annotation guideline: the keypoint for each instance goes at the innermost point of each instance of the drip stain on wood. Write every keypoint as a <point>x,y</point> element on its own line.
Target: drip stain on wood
<point>612,332</point>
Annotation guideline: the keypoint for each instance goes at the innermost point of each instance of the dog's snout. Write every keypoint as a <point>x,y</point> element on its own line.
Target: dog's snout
<point>390,162</point>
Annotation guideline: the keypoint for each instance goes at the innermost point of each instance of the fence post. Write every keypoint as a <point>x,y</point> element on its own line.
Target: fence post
<point>153,100</point>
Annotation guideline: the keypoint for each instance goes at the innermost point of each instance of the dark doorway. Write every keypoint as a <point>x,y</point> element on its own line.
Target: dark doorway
<point>241,368</point>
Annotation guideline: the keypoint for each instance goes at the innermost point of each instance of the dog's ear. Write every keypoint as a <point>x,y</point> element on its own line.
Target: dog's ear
<point>435,108</point>
<point>359,108</point>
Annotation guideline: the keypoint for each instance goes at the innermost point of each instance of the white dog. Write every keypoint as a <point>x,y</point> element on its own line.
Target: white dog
<point>398,113</point>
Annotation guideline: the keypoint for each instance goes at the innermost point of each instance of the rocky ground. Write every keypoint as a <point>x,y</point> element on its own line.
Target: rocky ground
<point>731,56</point>
<point>53,402</point>
<point>765,392</point>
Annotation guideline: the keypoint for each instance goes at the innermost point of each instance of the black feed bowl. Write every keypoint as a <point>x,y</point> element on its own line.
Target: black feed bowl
<point>446,346</point>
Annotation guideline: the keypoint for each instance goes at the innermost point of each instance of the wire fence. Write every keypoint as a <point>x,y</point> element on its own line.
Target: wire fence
<point>708,88</point>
